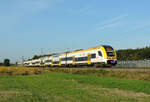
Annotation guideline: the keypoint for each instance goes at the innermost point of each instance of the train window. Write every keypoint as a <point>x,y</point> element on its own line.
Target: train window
<point>85,58</point>
<point>68,59</point>
<point>110,54</point>
<point>37,62</point>
<point>93,55</point>
<point>76,59</point>
<point>56,62</point>
<point>63,59</point>
<point>99,53</point>
<point>81,59</point>
<point>47,61</point>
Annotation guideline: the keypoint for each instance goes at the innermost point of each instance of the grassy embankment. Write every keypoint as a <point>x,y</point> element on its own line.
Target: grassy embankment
<point>137,75</point>
<point>66,87</point>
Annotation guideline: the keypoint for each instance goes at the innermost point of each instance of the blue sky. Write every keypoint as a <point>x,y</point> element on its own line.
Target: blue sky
<point>27,26</point>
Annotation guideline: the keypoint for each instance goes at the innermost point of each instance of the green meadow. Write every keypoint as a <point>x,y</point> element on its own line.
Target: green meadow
<point>67,87</point>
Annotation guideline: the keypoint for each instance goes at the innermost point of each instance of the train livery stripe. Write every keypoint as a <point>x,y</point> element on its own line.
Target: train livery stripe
<point>73,63</point>
<point>52,61</point>
<point>104,52</point>
<point>115,53</point>
<point>83,50</point>
<point>89,58</point>
<point>59,61</point>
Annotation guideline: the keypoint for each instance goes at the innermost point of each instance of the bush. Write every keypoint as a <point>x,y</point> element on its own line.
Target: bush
<point>6,62</point>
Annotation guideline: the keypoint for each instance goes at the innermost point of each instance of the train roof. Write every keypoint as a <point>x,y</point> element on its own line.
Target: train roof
<point>89,49</point>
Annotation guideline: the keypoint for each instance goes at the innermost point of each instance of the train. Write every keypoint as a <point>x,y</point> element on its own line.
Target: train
<point>99,56</point>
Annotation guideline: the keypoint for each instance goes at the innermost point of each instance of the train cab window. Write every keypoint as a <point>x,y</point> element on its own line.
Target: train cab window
<point>110,54</point>
<point>99,53</point>
<point>93,55</point>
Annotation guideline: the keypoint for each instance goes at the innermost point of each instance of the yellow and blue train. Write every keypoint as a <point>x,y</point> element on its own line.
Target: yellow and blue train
<point>98,56</point>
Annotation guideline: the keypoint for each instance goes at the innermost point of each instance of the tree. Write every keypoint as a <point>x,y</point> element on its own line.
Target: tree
<point>134,54</point>
<point>6,62</point>
<point>16,63</point>
<point>35,57</point>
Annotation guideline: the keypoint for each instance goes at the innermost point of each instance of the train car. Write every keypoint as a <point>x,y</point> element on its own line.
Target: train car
<point>37,62</point>
<point>97,56</point>
<point>33,63</point>
<point>47,61</point>
<point>27,63</point>
<point>55,60</point>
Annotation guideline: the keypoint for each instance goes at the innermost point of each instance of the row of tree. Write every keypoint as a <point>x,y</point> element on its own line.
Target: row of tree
<point>39,56</point>
<point>134,54</point>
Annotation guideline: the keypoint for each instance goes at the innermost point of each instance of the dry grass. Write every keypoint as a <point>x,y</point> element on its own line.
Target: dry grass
<point>6,94</point>
<point>21,70</point>
<point>137,75</point>
<point>116,92</point>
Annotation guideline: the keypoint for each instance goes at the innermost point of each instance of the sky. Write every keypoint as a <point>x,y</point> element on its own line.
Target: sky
<point>29,26</point>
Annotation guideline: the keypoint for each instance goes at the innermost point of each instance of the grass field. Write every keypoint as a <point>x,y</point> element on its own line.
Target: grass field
<point>66,87</point>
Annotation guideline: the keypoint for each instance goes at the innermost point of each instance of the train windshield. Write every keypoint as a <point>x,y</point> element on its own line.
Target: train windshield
<point>109,51</point>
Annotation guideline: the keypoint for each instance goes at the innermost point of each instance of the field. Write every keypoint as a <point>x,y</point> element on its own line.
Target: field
<point>19,84</point>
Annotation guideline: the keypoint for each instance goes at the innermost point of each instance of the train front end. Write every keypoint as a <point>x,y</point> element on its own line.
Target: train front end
<point>111,55</point>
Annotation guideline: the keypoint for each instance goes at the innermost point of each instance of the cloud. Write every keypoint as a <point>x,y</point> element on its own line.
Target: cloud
<point>111,25</point>
<point>117,18</point>
<point>113,22</point>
